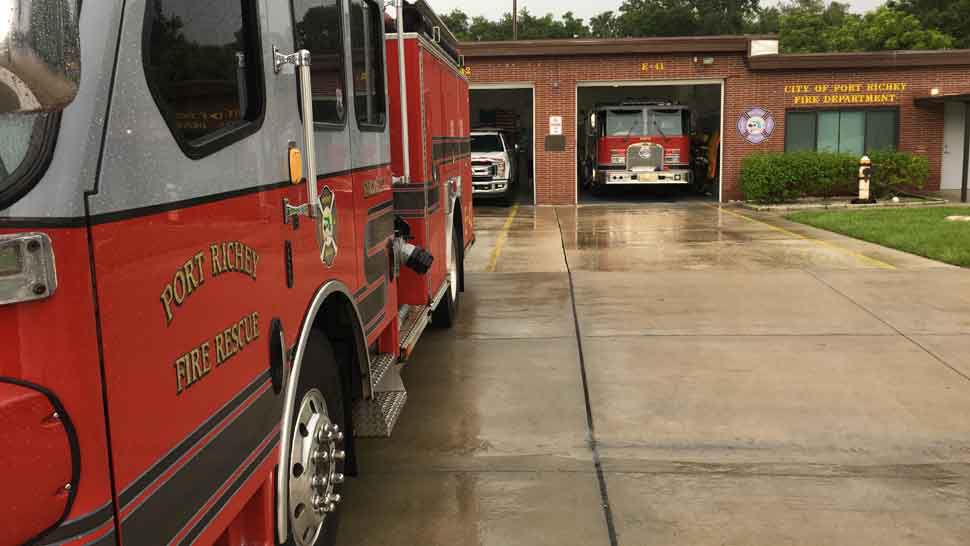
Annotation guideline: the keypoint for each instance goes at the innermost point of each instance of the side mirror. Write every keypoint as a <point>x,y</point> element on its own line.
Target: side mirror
<point>40,55</point>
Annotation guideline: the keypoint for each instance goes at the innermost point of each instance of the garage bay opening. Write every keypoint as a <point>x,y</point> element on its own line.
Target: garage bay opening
<point>657,142</point>
<point>502,145</point>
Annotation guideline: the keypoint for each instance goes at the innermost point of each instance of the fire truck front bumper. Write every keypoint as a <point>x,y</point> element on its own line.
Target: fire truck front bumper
<point>621,176</point>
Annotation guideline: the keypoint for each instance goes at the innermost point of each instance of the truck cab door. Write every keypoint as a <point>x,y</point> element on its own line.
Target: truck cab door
<point>325,247</point>
<point>186,229</point>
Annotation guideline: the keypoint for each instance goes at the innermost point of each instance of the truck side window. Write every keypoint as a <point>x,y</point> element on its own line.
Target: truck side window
<point>367,56</point>
<point>26,142</point>
<point>203,67</point>
<point>316,28</point>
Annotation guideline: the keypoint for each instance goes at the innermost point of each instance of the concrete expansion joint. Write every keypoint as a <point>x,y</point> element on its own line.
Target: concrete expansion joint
<point>591,428</point>
<point>937,472</point>
<point>899,332</point>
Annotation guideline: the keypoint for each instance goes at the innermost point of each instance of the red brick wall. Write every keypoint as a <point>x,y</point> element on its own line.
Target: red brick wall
<point>555,79</point>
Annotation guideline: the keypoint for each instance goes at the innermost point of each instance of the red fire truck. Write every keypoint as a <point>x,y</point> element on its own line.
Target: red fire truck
<point>224,225</point>
<point>636,142</point>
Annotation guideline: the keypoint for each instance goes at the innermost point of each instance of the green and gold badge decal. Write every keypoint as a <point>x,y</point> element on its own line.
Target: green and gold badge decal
<point>328,226</point>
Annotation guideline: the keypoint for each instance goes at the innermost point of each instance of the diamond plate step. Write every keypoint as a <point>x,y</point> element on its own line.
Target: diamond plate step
<point>412,326</point>
<point>376,417</point>
<point>380,363</point>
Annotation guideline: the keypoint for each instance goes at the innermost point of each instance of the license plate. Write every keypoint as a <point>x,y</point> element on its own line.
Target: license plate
<point>647,177</point>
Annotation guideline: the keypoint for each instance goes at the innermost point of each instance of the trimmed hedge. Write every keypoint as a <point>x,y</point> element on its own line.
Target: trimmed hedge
<point>776,177</point>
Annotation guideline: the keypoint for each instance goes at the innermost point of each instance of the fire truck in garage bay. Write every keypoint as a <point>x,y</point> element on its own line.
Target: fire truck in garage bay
<point>224,225</point>
<point>636,142</point>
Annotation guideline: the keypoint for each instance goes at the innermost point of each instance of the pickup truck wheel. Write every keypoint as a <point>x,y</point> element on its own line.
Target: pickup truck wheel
<point>316,462</point>
<point>445,315</point>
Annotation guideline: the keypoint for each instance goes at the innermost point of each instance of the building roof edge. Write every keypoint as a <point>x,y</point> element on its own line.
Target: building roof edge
<point>600,46</point>
<point>874,59</point>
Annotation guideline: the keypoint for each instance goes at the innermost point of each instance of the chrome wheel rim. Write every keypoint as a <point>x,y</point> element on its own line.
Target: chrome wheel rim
<point>314,455</point>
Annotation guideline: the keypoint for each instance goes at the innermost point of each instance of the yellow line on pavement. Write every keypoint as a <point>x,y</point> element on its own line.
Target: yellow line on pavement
<point>858,255</point>
<point>497,250</point>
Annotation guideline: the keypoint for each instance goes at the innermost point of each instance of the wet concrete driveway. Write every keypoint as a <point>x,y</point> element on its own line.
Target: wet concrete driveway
<point>680,375</point>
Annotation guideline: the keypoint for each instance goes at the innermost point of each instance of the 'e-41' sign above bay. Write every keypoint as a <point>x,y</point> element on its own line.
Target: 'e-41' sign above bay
<point>807,94</point>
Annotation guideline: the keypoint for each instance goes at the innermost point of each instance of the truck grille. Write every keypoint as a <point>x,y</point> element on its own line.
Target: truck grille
<point>483,169</point>
<point>645,156</point>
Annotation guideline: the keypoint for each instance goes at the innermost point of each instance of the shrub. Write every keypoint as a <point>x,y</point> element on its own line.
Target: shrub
<point>895,171</point>
<point>775,177</point>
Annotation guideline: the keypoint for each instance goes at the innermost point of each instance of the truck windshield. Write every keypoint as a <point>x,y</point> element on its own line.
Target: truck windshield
<point>666,122</point>
<point>487,143</point>
<point>624,123</point>
<point>20,135</point>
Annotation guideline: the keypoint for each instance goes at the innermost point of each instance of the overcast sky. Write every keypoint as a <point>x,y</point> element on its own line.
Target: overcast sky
<point>581,8</point>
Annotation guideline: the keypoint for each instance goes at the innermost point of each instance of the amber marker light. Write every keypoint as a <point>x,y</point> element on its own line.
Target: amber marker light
<point>296,165</point>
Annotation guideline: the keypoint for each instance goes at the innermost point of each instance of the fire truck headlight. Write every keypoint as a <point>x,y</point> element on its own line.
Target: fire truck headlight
<point>500,169</point>
<point>616,159</point>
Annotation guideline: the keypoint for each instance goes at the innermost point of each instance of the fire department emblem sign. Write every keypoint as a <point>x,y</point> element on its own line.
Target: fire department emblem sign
<point>328,226</point>
<point>756,125</point>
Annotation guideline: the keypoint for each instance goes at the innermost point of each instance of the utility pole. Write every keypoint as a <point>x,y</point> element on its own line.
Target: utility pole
<point>515,20</point>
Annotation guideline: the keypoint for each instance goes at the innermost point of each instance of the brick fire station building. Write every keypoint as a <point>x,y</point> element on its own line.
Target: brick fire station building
<point>851,102</point>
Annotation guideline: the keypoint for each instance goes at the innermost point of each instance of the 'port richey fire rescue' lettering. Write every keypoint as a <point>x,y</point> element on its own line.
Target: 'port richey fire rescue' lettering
<point>197,363</point>
<point>224,257</point>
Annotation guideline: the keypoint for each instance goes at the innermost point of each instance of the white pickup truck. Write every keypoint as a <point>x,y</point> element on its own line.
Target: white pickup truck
<point>493,164</point>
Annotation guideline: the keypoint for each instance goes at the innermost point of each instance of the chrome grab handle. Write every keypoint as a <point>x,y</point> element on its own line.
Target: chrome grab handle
<point>301,60</point>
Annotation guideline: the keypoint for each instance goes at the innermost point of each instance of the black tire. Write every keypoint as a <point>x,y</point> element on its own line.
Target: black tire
<point>321,371</point>
<point>445,315</point>
<point>461,255</point>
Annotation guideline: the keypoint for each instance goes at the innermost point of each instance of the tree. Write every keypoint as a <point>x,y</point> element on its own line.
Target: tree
<point>716,17</point>
<point>604,25</point>
<point>803,26</point>
<point>481,29</point>
<point>656,18</point>
<point>808,26</point>
<point>888,28</point>
<point>531,27</point>
<point>765,21</point>
<point>457,23</point>
<point>951,17</point>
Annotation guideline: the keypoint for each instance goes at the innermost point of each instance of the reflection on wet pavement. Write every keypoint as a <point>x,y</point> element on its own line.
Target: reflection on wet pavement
<point>749,382</point>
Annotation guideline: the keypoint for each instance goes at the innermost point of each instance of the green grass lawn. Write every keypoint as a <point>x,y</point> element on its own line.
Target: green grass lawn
<point>922,231</point>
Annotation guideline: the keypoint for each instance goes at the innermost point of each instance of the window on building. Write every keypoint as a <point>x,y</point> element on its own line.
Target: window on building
<point>367,60</point>
<point>316,26</point>
<point>842,131</point>
<point>202,64</point>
